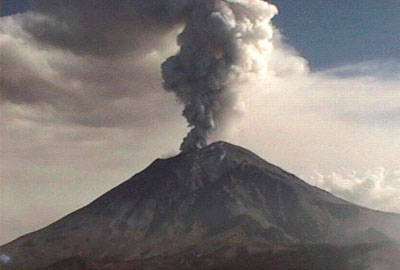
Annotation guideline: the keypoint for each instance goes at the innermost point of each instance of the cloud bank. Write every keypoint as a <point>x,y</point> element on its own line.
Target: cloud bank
<point>83,108</point>
<point>376,188</point>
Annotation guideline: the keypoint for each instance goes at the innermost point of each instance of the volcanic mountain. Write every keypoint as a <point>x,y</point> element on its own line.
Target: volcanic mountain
<point>220,207</point>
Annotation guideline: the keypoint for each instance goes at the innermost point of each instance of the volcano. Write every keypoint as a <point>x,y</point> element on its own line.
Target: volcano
<point>220,207</point>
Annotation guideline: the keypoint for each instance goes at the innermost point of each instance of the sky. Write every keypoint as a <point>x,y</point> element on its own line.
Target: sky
<point>83,108</point>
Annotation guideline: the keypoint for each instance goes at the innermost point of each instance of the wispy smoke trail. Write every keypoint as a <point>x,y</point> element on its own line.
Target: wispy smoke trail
<point>222,41</point>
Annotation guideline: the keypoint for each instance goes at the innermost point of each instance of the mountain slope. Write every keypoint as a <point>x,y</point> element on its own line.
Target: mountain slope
<point>222,197</point>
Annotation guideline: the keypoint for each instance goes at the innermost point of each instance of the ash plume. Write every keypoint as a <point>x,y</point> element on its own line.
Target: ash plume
<point>221,42</point>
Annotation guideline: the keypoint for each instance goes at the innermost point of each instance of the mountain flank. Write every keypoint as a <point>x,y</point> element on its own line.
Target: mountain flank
<point>220,207</point>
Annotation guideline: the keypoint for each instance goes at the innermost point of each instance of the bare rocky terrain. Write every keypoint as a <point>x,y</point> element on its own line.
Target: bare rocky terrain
<point>221,207</point>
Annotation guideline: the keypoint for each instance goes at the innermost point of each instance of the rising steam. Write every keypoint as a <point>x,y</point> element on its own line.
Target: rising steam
<point>222,43</point>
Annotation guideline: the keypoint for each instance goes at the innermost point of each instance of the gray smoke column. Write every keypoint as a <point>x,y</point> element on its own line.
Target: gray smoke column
<point>221,44</point>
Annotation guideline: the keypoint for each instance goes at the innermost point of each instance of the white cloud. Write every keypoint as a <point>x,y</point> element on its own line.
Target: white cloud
<point>376,188</point>
<point>384,70</point>
<point>306,121</point>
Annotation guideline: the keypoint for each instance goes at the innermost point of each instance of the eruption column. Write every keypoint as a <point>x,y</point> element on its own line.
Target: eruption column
<point>221,42</point>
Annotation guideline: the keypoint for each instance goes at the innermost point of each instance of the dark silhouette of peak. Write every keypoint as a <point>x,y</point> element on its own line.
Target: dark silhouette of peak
<point>204,207</point>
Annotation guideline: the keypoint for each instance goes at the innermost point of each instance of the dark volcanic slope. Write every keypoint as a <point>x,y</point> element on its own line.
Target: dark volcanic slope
<point>220,197</point>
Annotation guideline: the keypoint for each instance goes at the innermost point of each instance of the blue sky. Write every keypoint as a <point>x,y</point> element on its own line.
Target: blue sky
<point>327,33</point>
<point>337,32</point>
<point>13,6</point>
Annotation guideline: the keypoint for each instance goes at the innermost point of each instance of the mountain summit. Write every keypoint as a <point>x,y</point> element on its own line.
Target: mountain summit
<point>220,206</point>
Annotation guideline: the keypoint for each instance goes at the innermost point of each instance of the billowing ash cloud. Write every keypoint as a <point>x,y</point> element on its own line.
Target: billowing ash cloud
<point>221,41</point>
